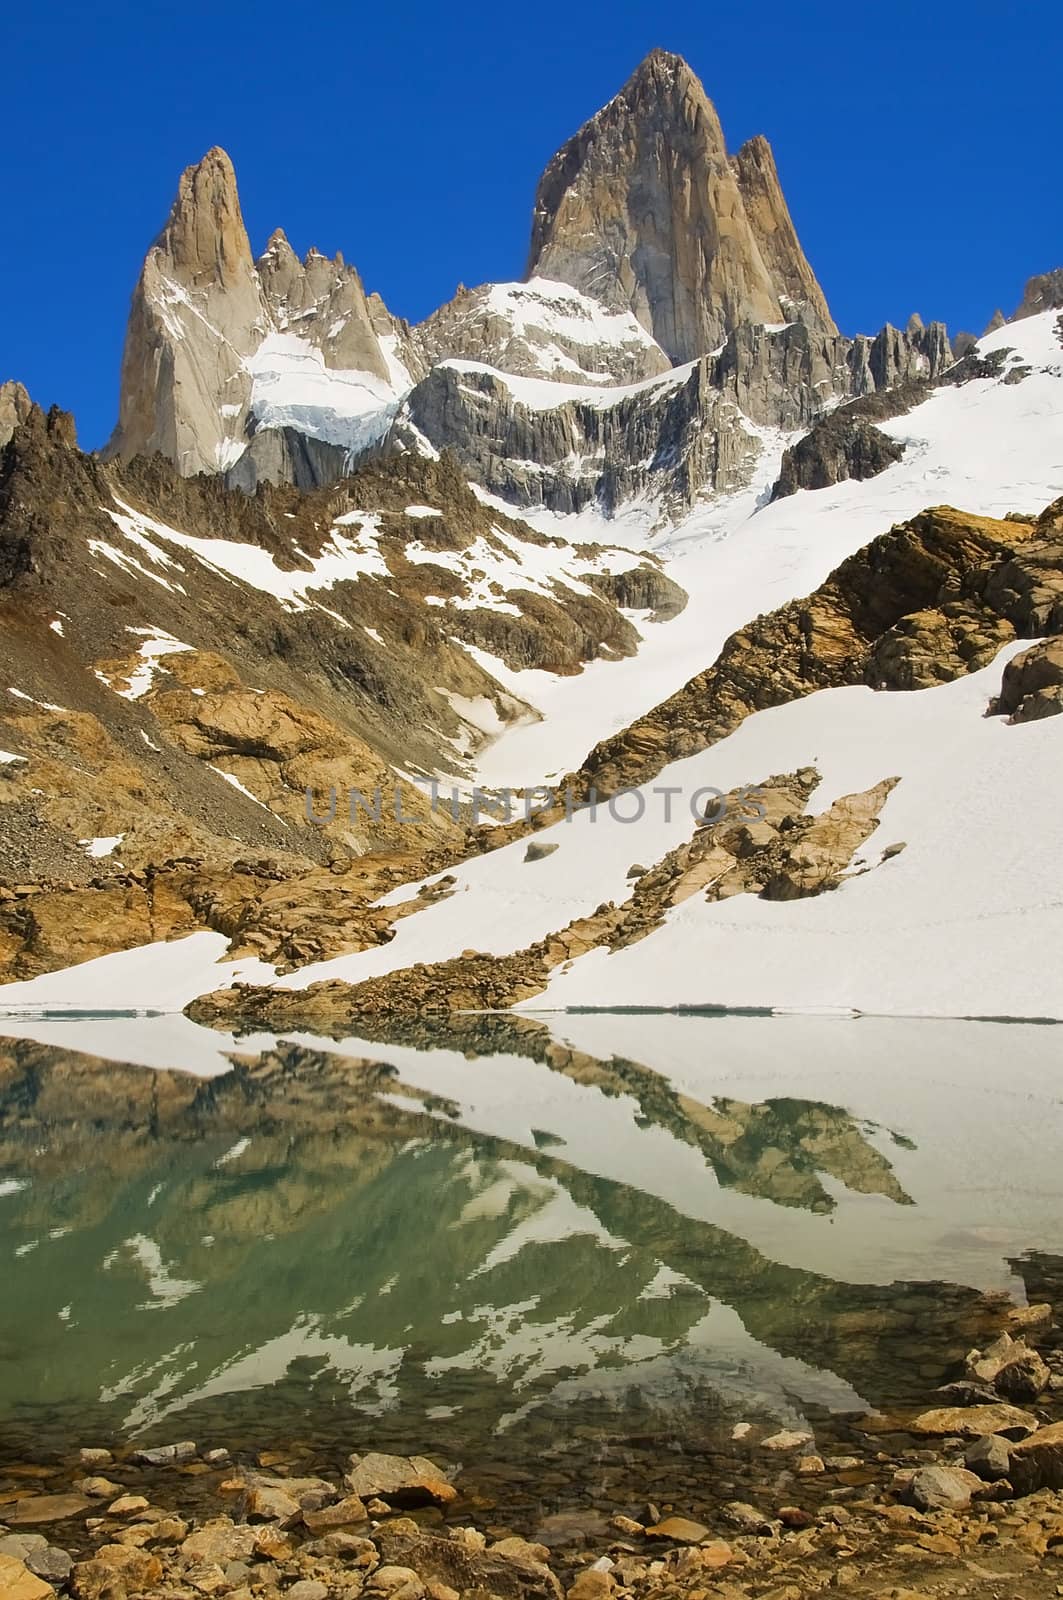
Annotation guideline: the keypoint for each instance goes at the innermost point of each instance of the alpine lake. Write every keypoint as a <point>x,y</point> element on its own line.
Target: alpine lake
<point>585,1262</point>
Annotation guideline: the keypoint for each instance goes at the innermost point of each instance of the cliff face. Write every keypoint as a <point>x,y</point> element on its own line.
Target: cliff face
<point>643,209</point>
<point>674,439</point>
<point>197,314</point>
<point>773,229</point>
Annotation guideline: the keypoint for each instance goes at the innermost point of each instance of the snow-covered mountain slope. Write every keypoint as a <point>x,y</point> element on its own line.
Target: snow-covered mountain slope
<point>184,662</point>
<point>920,931</point>
<point>964,921</point>
<point>989,446</point>
<point>394,621</point>
<point>541,329</point>
<point>967,919</point>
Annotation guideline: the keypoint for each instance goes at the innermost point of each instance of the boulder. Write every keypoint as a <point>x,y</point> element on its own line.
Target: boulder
<point>127,1505</point>
<point>115,1572</point>
<point>400,1480</point>
<point>220,1540</point>
<point>989,1457</point>
<point>264,1503</point>
<point>1032,683</point>
<point>591,1585</point>
<point>787,1439</point>
<point>1037,1462</point>
<point>167,1455</point>
<point>349,1512</point>
<point>401,1582</point>
<point>1011,1367</point>
<point>17,1582</point>
<point>678,1530</point>
<point>45,1508</point>
<point>938,1488</point>
<point>537,850</point>
<point>458,1564</point>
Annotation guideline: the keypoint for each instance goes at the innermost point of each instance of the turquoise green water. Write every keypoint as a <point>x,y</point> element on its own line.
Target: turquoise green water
<point>506,1242</point>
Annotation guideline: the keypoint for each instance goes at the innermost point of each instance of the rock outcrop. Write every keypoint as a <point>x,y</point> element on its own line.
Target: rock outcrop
<point>643,210</point>
<point>327,294</point>
<point>1042,293</point>
<point>769,217</point>
<point>1032,684</point>
<point>840,446</point>
<point>197,316</point>
<point>780,854</point>
<point>932,599</point>
<point>14,408</point>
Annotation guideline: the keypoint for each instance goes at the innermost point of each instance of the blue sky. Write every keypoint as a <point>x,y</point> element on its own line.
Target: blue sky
<point>918,145</point>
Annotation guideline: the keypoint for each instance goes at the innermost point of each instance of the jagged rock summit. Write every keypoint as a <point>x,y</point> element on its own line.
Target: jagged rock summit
<point>644,210</point>
<point>219,345</point>
<point>669,317</point>
<point>15,406</point>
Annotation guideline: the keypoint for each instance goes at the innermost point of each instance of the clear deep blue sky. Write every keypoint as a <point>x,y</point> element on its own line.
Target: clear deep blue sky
<point>919,145</point>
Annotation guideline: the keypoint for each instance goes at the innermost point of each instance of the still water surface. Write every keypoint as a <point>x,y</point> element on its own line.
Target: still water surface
<point>475,1238</point>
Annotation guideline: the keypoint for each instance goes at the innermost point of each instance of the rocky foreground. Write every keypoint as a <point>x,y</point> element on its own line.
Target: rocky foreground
<point>964,1497</point>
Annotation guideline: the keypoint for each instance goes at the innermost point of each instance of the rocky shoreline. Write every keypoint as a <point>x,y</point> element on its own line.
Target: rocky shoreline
<point>962,1497</point>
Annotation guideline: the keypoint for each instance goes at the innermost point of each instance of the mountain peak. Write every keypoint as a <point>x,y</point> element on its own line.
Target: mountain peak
<point>205,237</point>
<point>664,66</point>
<point>663,89</point>
<point>642,210</point>
<point>769,217</point>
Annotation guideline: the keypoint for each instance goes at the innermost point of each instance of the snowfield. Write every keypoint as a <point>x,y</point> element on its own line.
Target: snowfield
<point>966,921</point>
<point>986,447</point>
<point>293,388</point>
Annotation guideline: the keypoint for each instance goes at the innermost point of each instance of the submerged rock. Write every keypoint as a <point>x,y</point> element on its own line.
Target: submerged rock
<point>400,1480</point>
<point>974,1422</point>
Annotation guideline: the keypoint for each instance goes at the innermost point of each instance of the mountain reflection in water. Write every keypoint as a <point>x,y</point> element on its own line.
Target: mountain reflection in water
<point>464,1231</point>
